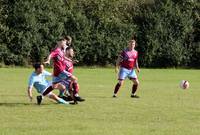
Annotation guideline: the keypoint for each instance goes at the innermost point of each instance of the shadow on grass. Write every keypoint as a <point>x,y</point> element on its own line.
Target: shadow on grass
<point>20,104</point>
<point>100,97</point>
<point>12,95</point>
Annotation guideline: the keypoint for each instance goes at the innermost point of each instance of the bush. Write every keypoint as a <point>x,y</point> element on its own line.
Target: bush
<point>163,33</point>
<point>167,31</point>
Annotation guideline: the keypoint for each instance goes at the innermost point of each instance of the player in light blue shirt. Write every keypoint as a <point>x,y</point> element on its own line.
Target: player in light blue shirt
<point>39,82</point>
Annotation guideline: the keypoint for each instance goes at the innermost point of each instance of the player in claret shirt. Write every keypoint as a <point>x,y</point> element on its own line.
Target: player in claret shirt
<point>59,72</point>
<point>126,64</point>
<point>71,85</point>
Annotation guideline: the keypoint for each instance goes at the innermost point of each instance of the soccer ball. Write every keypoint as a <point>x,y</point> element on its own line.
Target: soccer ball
<point>184,84</point>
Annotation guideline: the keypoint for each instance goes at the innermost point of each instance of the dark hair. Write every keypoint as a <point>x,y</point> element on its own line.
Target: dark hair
<point>68,48</point>
<point>68,38</point>
<point>37,65</point>
<point>61,39</point>
<point>133,37</point>
<point>65,38</point>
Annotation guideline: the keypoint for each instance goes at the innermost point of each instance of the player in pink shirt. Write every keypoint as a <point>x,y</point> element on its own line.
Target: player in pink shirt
<point>71,85</point>
<point>127,62</point>
<point>59,72</point>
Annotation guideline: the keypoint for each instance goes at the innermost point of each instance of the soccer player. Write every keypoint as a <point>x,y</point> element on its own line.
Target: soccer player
<point>128,62</point>
<point>69,53</point>
<point>39,82</point>
<point>59,72</point>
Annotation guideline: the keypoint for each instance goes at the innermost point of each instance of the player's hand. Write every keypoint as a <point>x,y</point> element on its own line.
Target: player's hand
<point>47,62</point>
<point>75,61</point>
<point>138,70</point>
<point>116,70</point>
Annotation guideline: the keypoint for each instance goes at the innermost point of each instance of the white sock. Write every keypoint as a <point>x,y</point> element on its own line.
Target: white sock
<point>76,95</point>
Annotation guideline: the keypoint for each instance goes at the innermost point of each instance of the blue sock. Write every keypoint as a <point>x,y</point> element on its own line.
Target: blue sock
<point>62,101</point>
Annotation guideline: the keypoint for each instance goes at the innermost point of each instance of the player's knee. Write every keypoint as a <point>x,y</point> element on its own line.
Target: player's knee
<point>121,83</point>
<point>52,96</point>
<point>74,79</point>
<point>54,86</point>
<point>61,87</point>
<point>136,82</point>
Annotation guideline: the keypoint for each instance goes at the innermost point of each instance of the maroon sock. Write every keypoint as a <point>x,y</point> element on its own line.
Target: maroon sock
<point>134,89</point>
<point>49,89</point>
<point>75,87</point>
<point>117,88</point>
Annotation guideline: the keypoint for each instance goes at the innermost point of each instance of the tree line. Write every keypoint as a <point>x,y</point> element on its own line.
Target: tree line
<point>167,31</point>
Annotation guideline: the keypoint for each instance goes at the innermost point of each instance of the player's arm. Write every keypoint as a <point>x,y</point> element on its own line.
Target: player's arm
<point>74,78</point>
<point>66,58</point>
<point>48,59</point>
<point>75,61</point>
<point>118,61</point>
<point>47,74</point>
<point>29,92</point>
<point>30,87</point>
<point>117,65</point>
<point>137,66</point>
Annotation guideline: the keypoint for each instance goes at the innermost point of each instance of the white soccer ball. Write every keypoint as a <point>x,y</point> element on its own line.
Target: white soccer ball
<point>184,84</point>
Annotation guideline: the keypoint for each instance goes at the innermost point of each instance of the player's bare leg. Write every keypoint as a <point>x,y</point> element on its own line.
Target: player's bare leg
<point>57,99</point>
<point>61,88</point>
<point>117,87</point>
<point>75,86</point>
<point>52,87</point>
<point>71,92</point>
<point>134,87</point>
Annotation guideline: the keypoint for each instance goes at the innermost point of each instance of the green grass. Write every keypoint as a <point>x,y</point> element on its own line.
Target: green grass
<point>163,109</point>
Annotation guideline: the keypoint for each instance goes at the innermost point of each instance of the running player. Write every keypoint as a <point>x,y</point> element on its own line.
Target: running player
<point>59,72</point>
<point>127,62</point>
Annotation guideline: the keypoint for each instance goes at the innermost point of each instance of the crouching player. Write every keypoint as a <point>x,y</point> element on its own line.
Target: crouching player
<point>39,82</point>
<point>71,85</point>
<point>127,62</point>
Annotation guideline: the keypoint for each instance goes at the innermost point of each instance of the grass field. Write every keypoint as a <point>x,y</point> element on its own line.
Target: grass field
<point>163,109</point>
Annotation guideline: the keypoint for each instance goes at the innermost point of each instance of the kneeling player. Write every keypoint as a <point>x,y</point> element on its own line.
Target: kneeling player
<point>128,61</point>
<point>39,82</point>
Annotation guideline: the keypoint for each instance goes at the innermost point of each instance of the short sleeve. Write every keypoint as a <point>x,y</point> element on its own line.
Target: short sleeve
<point>46,73</point>
<point>31,81</point>
<point>54,53</point>
<point>122,55</point>
<point>136,55</point>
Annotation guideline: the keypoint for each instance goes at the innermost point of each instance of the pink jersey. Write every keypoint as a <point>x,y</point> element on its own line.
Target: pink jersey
<point>69,67</point>
<point>58,61</point>
<point>129,58</point>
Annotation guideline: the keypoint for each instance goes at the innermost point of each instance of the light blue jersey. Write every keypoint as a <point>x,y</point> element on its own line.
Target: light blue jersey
<point>39,81</point>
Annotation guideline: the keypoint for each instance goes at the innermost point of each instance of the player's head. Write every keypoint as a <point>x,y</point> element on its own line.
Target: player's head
<point>132,44</point>
<point>38,67</point>
<point>62,43</point>
<point>68,40</point>
<point>69,52</point>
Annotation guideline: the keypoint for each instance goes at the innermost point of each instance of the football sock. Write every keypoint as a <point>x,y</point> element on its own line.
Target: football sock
<point>134,89</point>
<point>75,87</point>
<point>62,101</point>
<point>76,95</point>
<point>117,88</point>
<point>61,94</point>
<point>49,89</point>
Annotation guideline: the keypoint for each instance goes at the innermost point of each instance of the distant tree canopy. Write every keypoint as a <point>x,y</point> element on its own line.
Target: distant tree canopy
<point>167,31</point>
